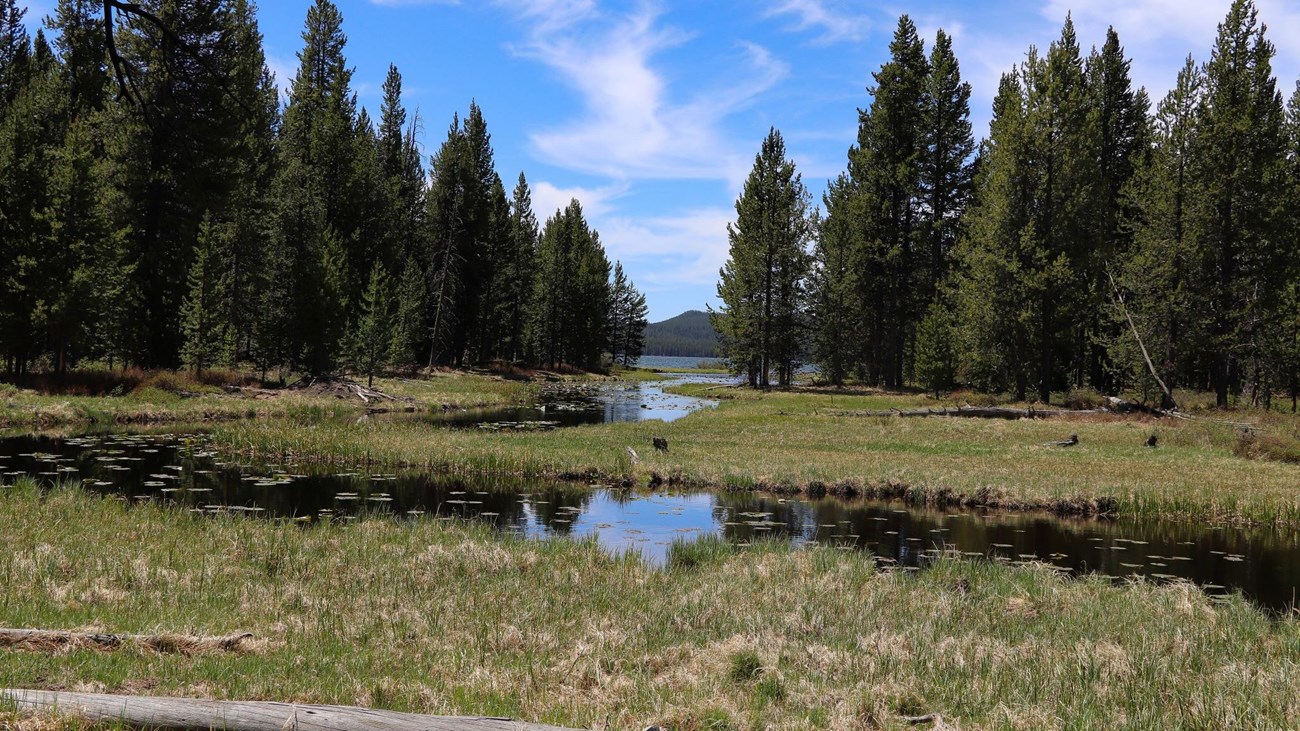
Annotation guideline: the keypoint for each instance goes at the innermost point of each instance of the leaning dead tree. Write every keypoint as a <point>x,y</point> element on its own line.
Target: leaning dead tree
<point>202,715</point>
<point>1168,403</point>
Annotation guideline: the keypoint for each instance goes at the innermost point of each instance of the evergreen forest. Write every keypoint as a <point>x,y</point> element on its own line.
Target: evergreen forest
<point>162,206</point>
<point>1093,240</point>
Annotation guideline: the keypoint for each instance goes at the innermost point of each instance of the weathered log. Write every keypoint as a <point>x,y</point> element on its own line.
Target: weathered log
<point>203,715</point>
<point>50,640</point>
<point>978,412</point>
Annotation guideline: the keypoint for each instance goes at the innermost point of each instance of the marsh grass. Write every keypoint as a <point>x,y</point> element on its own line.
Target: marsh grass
<point>819,441</point>
<point>155,397</point>
<point>450,618</point>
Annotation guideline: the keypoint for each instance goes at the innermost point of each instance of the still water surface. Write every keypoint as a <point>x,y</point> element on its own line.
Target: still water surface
<point>566,405</point>
<point>1263,564</point>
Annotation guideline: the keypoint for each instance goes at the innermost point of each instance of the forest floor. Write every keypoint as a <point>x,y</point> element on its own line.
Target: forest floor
<point>448,618</point>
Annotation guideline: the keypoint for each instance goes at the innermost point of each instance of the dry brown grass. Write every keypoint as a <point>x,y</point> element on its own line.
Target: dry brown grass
<point>440,618</point>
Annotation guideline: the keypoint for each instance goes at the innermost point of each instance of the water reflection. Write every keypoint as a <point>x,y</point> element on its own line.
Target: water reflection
<point>575,404</point>
<point>1262,563</point>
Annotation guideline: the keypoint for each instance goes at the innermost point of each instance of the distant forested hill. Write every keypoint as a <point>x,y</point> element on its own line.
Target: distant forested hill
<point>688,334</point>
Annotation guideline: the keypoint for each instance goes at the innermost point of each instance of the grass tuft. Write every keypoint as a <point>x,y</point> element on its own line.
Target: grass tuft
<point>745,667</point>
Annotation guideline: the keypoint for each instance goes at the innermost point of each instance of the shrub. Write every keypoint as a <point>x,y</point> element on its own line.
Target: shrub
<point>1268,447</point>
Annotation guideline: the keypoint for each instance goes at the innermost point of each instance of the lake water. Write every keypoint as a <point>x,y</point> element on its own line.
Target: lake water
<point>574,404</point>
<point>1263,564</point>
<point>674,361</point>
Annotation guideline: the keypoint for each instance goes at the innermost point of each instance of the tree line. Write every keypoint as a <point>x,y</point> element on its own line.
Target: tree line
<point>161,207</point>
<point>1088,241</point>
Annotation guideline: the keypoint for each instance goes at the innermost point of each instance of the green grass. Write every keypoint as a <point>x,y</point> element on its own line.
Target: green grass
<point>445,618</point>
<point>819,441</point>
<point>175,397</point>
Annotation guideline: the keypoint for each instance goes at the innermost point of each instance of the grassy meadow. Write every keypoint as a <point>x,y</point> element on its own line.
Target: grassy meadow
<point>105,398</point>
<point>811,440</point>
<point>447,618</point>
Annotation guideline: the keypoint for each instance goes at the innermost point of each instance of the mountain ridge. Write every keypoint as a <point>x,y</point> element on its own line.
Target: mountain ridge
<point>689,334</point>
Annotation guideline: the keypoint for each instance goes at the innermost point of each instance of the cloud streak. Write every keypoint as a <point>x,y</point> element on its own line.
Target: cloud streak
<point>834,25</point>
<point>633,123</point>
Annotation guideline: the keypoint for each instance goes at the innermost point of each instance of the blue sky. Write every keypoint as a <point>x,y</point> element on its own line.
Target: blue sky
<point>650,111</point>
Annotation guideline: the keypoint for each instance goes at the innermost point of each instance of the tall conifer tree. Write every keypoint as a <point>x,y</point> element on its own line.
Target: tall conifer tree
<point>763,284</point>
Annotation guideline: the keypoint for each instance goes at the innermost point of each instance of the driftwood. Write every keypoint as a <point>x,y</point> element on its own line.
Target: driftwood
<point>43,640</point>
<point>202,715</point>
<point>934,718</point>
<point>979,412</point>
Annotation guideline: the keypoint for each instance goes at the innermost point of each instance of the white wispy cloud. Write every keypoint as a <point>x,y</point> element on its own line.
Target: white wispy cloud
<point>670,251</point>
<point>596,202</point>
<point>552,14</point>
<point>834,23</point>
<point>409,3</point>
<point>633,123</point>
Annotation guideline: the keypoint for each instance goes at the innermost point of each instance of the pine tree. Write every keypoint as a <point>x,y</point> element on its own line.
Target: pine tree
<point>319,200</point>
<point>1158,278</point>
<point>946,168</point>
<point>409,326</point>
<point>1057,117</point>
<point>1284,340</point>
<point>15,48</point>
<point>1240,150</point>
<point>836,317</point>
<point>183,148</point>
<point>1119,127</point>
<point>936,354</point>
<point>627,319</point>
<point>209,337</point>
<point>254,168</point>
<point>449,243</point>
<point>499,255</point>
<point>885,167</point>
<point>519,260</point>
<point>762,285</point>
<point>637,319</point>
<point>81,47</point>
<point>374,333</point>
<point>569,310</point>
<point>404,173</point>
<point>999,280</point>
<point>80,265</point>
<point>30,135</point>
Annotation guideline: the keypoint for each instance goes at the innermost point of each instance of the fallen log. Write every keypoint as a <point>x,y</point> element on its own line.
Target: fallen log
<point>978,412</point>
<point>201,715</point>
<point>51,640</point>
